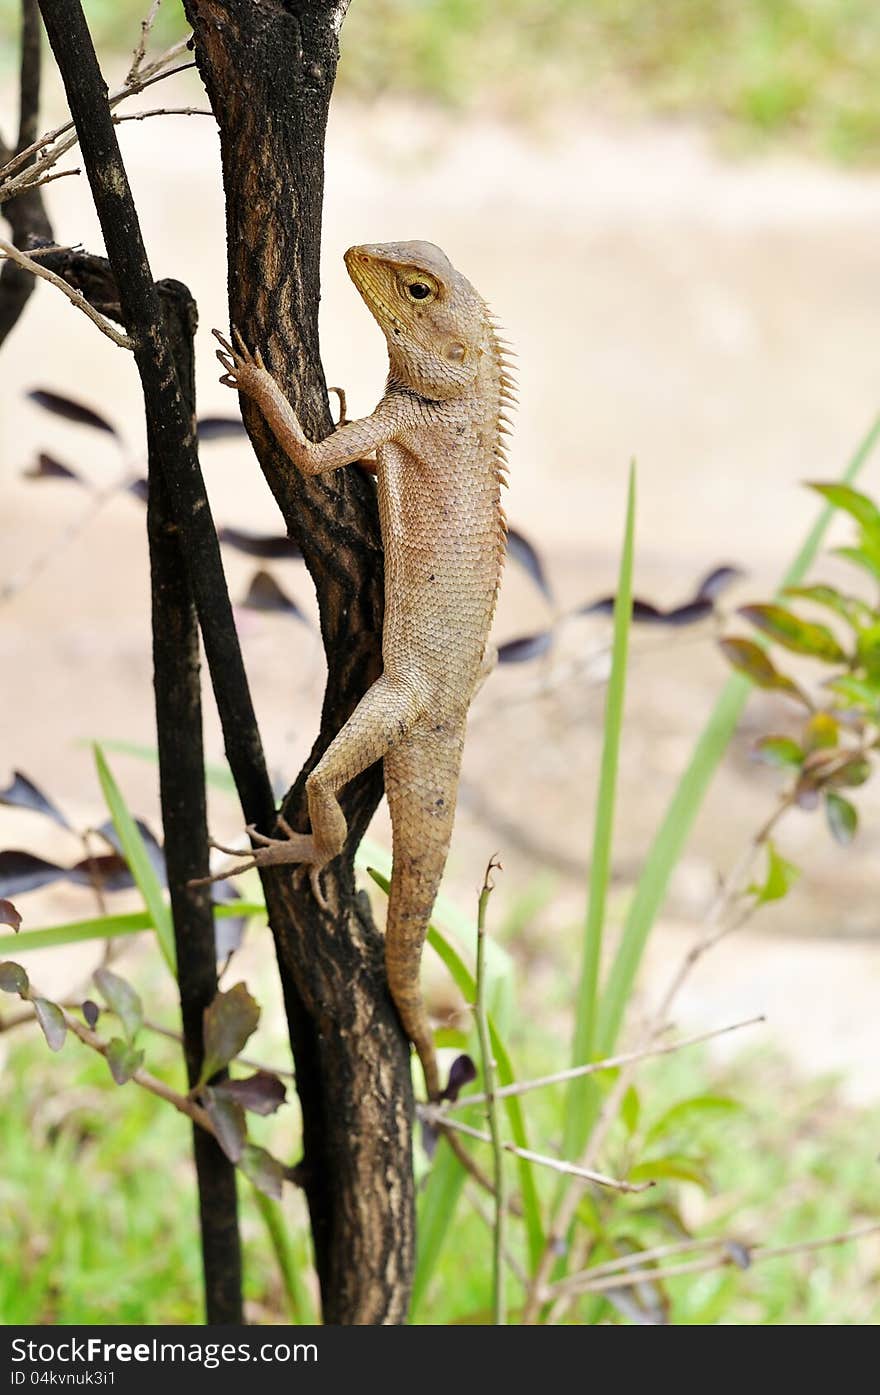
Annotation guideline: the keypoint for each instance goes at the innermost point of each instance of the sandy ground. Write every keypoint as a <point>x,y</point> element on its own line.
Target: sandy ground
<point>715,321</point>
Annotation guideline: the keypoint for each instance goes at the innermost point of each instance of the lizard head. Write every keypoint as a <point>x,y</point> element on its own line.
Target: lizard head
<point>436,325</point>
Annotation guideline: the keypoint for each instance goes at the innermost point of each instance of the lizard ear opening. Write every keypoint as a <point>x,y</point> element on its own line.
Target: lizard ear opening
<point>456,352</point>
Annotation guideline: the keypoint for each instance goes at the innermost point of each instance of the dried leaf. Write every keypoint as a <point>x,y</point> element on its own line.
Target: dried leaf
<point>266,1172</point>
<point>219,428</point>
<point>520,651</point>
<point>525,554</point>
<point>755,664</point>
<point>227,1116</point>
<point>799,636</point>
<point>461,1073</point>
<point>91,1013</point>
<point>261,1093</point>
<point>70,410</point>
<point>843,819</point>
<point>229,1021</point>
<point>51,1020</point>
<point>108,871</point>
<point>9,915</point>
<point>264,593</point>
<point>24,794</point>
<point>13,979</point>
<point>46,467</point>
<point>122,999</point>
<point>23,871</point>
<point>266,545</point>
<point>123,1060</point>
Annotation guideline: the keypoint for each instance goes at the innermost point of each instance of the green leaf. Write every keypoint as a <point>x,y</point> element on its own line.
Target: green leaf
<point>822,732</point>
<point>630,1109</point>
<point>868,558</point>
<point>51,1020</point>
<point>122,999</point>
<point>843,820</point>
<point>780,877</point>
<point>110,927</point>
<point>464,981</point>
<point>138,860</point>
<point>853,502</point>
<point>683,1113</point>
<point>13,979</point>
<point>779,751</point>
<point>754,663</point>
<point>678,1169</point>
<point>229,1022</point>
<point>217,775</point>
<point>868,650</point>
<point>800,636</point>
<point>857,692</point>
<point>123,1060</point>
<point>849,608</point>
<point>266,1172</point>
<point>586,1003</point>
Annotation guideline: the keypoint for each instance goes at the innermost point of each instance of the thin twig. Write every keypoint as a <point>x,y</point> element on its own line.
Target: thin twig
<point>586,1282</point>
<point>162,111</point>
<point>141,50</point>
<point>522,1087</point>
<point>75,297</point>
<point>499,1306</point>
<point>554,1164</point>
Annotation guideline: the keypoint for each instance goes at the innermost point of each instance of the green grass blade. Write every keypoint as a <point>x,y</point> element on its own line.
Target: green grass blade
<point>138,860</point>
<point>436,1208</point>
<point>107,927</point>
<point>688,798</point>
<point>464,981</point>
<point>217,773</point>
<point>585,1030</point>
<point>299,1300</point>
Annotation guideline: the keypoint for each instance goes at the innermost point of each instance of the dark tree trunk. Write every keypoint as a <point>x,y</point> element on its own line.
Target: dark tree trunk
<point>25,214</point>
<point>269,70</point>
<point>184,818</point>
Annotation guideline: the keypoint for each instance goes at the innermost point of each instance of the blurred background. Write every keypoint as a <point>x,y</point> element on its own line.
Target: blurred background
<point>674,209</point>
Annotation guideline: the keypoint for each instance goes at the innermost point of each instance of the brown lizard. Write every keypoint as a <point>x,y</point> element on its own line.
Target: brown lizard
<point>440,461</point>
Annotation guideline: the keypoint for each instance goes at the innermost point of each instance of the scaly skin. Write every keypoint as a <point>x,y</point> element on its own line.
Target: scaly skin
<point>437,434</point>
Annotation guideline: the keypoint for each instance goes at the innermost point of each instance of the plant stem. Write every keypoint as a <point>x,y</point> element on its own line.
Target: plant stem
<point>499,1304</point>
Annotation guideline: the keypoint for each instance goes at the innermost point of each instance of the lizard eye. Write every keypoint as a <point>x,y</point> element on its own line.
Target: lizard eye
<point>418,290</point>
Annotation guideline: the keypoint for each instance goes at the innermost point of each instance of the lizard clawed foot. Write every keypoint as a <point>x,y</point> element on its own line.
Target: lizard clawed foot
<point>276,852</point>
<point>242,366</point>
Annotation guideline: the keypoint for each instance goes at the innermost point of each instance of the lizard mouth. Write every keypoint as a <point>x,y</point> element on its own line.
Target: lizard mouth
<point>360,268</point>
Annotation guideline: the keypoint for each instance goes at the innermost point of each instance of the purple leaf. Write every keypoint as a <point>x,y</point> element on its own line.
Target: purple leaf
<point>264,593</point>
<point>9,915</point>
<point>151,842</point>
<point>228,1023</point>
<point>23,871</point>
<point>229,930</point>
<point>461,1073</point>
<point>520,651</point>
<point>13,979</point>
<point>523,552</point>
<point>227,1116</point>
<point>218,428</point>
<point>46,467</point>
<point>51,1020</point>
<point>109,871</point>
<point>740,1254</point>
<point>70,410</point>
<point>269,545</point>
<point>262,1093</point>
<point>24,794</point>
<point>91,1012</point>
<point>689,613</point>
<point>122,999</point>
<point>140,489</point>
<point>717,581</point>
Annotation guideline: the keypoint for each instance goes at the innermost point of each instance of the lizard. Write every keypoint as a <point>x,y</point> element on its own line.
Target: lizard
<point>438,434</point>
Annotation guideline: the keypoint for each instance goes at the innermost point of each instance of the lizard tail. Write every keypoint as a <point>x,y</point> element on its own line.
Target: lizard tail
<point>421,782</point>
